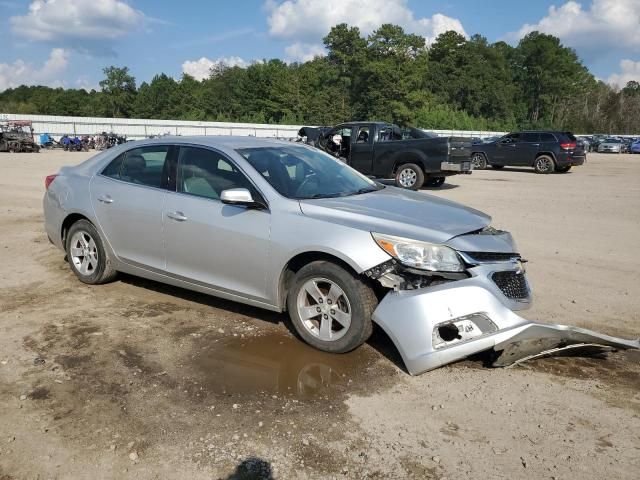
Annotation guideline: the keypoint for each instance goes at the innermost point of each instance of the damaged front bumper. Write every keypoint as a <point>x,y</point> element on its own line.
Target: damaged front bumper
<point>438,325</point>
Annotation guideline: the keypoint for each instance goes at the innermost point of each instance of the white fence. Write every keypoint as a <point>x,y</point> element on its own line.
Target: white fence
<point>136,128</point>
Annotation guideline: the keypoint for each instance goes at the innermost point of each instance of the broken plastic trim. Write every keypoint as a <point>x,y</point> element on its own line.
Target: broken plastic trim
<point>420,323</point>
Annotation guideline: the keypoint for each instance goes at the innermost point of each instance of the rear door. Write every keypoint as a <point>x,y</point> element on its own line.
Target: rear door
<point>127,198</point>
<point>222,246</point>
<point>362,149</point>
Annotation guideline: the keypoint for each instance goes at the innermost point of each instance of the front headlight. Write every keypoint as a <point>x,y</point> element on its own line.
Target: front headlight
<point>420,255</point>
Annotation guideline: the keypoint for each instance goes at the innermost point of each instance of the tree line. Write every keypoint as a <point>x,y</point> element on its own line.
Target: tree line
<point>455,83</point>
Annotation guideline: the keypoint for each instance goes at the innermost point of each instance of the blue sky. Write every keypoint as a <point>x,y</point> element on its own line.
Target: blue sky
<point>68,42</point>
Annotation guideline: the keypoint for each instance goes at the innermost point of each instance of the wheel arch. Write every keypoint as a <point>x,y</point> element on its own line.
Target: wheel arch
<point>544,153</point>
<point>298,261</point>
<point>409,156</point>
<point>68,221</point>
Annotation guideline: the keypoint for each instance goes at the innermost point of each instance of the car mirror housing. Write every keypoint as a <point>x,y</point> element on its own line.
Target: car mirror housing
<point>240,196</point>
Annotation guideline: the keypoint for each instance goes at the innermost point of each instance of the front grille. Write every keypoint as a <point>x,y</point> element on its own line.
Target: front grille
<point>489,257</point>
<point>512,284</point>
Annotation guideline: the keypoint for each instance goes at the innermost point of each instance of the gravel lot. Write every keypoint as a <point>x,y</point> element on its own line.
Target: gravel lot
<point>138,380</point>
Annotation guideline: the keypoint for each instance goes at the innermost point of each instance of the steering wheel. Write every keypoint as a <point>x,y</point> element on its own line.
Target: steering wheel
<point>311,176</point>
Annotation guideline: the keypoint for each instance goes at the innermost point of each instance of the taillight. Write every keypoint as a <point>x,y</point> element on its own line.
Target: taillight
<point>48,180</point>
<point>568,146</point>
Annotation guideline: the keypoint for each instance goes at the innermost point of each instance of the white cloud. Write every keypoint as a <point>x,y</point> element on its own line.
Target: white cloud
<point>308,21</point>
<point>88,25</point>
<point>303,52</point>
<point>201,69</point>
<point>629,70</point>
<point>604,26</point>
<point>23,73</point>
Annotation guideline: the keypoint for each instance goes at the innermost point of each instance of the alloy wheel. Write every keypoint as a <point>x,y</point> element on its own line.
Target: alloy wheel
<point>324,309</point>
<point>84,253</point>
<point>407,178</point>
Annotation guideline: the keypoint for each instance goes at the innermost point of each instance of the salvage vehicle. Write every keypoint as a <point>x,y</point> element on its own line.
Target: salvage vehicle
<point>17,136</point>
<point>410,156</point>
<point>286,227</point>
<point>545,151</point>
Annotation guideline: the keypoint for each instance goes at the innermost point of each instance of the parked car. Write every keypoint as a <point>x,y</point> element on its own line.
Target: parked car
<point>286,227</point>
<point>635,147</point>
<point>586,143</point>
<point>610,145</point>
<point>411,157</point>
<point>545,151</point>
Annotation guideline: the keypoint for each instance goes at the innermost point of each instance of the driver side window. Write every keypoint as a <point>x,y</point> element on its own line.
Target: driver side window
<point>206,173</point>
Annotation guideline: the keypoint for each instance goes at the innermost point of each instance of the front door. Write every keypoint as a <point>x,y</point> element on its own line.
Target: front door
<point>526,149</point>
<point>362,150</point>
<point>225,247</point>
<point>505,151</point>
<point>127,198</point>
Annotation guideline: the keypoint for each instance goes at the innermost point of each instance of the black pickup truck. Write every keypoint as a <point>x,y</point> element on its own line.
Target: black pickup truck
<point>383,150</point>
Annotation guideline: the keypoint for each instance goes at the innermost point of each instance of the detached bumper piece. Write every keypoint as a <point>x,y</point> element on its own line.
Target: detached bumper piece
<point>438,325</point>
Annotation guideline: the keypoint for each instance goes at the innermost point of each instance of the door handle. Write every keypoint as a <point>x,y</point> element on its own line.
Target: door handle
<point>177,216</point>
<point>105,199</point>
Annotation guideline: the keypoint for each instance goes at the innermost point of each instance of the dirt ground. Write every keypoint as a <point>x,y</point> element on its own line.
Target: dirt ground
<point>138,380</point>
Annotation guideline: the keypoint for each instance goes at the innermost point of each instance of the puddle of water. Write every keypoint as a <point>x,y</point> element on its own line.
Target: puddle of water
<point>278,364</point>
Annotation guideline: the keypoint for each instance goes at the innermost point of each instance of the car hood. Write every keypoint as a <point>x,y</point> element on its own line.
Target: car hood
<point>610,144</point>
<point>395,211</point>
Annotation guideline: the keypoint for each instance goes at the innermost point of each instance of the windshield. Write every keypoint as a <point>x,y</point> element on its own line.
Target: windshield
<point>303,172</point>
<point>612,140</point>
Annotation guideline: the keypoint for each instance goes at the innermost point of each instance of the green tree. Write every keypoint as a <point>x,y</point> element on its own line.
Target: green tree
<point>119,88</point>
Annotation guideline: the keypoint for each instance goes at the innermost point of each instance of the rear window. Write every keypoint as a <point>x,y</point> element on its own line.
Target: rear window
<point>547,137</point>
<point>141,166</point>
<point>570,136</point>
<point>530,137</point>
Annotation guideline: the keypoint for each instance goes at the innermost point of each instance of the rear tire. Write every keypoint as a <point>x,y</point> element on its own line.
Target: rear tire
<point>330,308</point>
<point>544,164</point>
<point>86,254</point>
<point>479,161</point>
<point>409,176</point>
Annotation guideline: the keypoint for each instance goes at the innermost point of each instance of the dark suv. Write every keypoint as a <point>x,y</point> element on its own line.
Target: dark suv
<point>545,151</point>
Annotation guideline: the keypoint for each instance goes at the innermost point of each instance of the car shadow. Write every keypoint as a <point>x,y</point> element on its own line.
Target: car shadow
<point>203,299</point>
<point>379,340</point>
<point>444,186</point>
<point>514,169</point>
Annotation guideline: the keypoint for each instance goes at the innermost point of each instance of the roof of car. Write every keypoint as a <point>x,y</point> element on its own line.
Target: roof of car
<point>228,141</point>
<point>364,121</point>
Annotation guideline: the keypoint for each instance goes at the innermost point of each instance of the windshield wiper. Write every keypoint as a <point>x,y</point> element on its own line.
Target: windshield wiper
<point>369,189</point>
<point>323,195</point>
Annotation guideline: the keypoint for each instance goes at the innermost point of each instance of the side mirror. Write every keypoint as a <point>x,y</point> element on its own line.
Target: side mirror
<point>240,196</point>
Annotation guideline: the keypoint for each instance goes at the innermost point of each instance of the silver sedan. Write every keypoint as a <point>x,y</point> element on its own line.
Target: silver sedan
<point>287,227</point>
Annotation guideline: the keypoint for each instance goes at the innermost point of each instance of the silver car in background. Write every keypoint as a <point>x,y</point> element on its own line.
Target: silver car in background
<point>286,227</point>
<point>610,145</point>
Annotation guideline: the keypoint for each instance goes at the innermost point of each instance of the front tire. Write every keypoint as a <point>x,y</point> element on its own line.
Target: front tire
<point>409,176</point>
<point>86,254</point>
<point>330,308</point>
<point>544,164</point>
<point>479,161</point>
